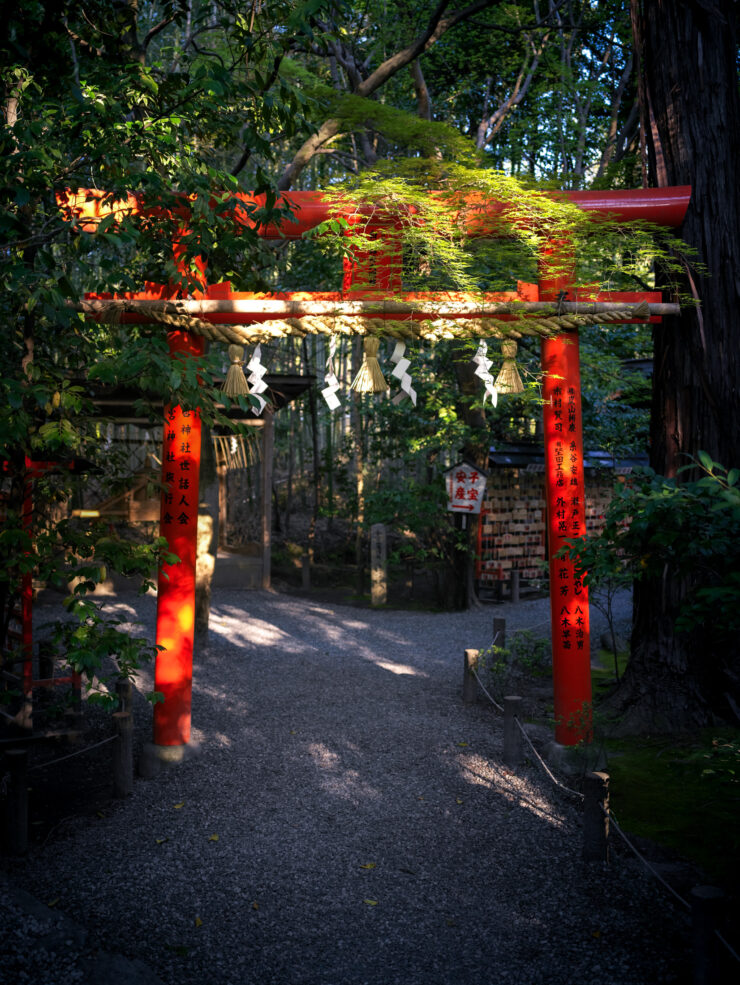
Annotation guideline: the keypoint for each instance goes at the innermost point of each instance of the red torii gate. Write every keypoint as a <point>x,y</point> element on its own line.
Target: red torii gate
<point>564,472</point>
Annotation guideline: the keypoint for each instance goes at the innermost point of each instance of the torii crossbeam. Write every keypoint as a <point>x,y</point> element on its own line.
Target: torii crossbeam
<point>564,472</point>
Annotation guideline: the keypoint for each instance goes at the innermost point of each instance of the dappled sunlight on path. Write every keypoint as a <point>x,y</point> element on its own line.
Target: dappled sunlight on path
<point>367,829</point>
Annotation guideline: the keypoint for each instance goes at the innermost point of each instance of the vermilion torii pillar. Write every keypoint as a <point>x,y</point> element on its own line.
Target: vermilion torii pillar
<point>173,675</point>
<point>566,509</point>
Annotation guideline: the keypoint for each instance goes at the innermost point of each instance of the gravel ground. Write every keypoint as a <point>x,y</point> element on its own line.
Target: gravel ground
<point>348,821</point>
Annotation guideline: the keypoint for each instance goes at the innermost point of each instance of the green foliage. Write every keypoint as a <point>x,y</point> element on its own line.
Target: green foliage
<point>399,127</point>
<point>615,401</point>
<point>527,656</point>
<point>531,653</point>
<point>418,512</point>
<point>121,97</point>
<point>683,794</point>
<point>90,638</point>
<point>721,761</point>
<point>684,529</point>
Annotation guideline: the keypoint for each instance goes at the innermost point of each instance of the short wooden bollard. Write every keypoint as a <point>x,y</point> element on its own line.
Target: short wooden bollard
<point>470,685</point>
<point>16,811</point>
<point>46,660</point>
<point>124,691</point>
<point>596,817</point>
<point>378,564</point>
<point>514,585</point>
<point>123,754</point>
<point>499,632</point>
<point>74,711</point>
<point>706,908</point>
<point>513,748</point>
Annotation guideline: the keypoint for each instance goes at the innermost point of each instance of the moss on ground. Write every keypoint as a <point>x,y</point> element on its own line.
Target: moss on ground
<point>682,792</point>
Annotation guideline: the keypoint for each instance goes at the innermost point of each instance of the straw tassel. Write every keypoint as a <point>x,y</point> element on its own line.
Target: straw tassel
<point>508,379</point>
<point>370,377</point>
<point>235,383</point>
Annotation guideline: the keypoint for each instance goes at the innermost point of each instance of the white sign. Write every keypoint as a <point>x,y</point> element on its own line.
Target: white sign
<point>466,487</point>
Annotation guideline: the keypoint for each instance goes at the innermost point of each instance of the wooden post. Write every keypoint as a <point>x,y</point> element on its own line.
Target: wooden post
<point>25,719</point>
<point>305,571</point>
<point>222,473</point>
<point>77,699</point>
<point>514,584</point>
<point>499,632</point>
<point>16,810</point>
<point>205,565</point>
<point>123,754</point>
<point>596,817</point>
<point>378,564</point>
<point>706,908</point>
<point>73,713</point>
<point>566,515</point>
<point>46,660</point>
<point>513,750</point>
<point>124,691</point>
<point>470,685</point>
<point>268,441</point>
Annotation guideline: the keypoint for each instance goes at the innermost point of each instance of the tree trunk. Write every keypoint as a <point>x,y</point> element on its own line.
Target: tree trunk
<point>476,451</point>
<point>289,481</point>
<point>691,120</point>
<point>358,465</point>
<point>316,483</point>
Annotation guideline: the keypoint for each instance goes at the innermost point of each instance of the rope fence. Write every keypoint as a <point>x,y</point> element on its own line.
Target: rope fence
<point>573,793</point>
<point>482,686</point>
<point>15,780</point>
<point>614,824</point>
<point>71,755</point>
<point>598,820</point>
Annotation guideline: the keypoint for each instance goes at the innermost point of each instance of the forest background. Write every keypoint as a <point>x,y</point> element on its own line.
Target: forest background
<point>389,99</point>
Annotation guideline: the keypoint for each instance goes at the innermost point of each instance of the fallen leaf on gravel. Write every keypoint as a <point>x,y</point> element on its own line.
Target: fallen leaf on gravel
<point>178,806</point>
<point>100,813</point>
<point>292,731</point>
<point>420,798</point>
<point>370,902</point>
<point>462,743</point>
<point>596,933</point>
<point>368,865</point>
<point>160,841</point>
<point>458,801</point>
<point>213,838</point>
<point>255,905</point>
<point>53,902</point>
<point>198,922</point>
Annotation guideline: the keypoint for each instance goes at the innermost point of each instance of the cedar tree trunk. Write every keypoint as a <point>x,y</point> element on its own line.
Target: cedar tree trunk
<point>688,88</point>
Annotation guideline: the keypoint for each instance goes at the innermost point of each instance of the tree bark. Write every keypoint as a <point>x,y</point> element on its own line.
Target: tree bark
<point>690,105</point>
<point>316,483</point>
<point>358,466</point>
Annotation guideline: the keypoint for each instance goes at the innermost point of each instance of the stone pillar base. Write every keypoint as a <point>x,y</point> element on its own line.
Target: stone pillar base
<point>155,758</point>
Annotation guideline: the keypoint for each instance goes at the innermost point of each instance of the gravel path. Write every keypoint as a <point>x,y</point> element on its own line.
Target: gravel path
<point>349,822</point>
